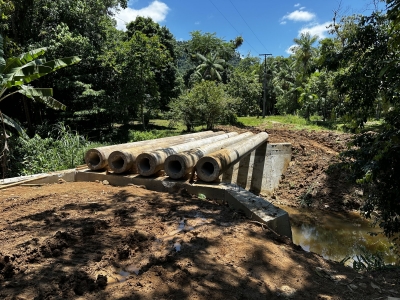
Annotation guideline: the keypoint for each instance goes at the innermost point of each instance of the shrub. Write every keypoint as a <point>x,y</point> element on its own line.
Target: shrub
<point>206,103</point>
<point>61,149</point>
<point>373,159</point>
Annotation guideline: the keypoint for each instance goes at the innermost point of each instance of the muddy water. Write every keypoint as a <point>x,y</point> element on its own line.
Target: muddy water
<point>336,236</point>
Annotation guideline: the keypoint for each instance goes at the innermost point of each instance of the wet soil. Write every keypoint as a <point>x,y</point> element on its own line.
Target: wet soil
<point>97,241</point>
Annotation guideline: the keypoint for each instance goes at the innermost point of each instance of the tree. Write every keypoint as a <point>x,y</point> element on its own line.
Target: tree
<point>136,62</point>
<point>206,103</point>
<point>185,109</point>
<point>167,76</point>
<point>309,98</point>
<point>66,28</point>
<point>246,87</point>
<point>210,67</point>
<point>6,8</point>
<point>285,83</point>
<point>207,43</point>
<point>18,72</point>
<point>370,68</point>
<point>328,54</point>
<point>304,51</point>
<point>209,46</point>
<point>363,58</point>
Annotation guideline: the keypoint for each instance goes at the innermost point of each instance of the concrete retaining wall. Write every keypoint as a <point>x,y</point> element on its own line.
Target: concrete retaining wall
<point>261,170</point>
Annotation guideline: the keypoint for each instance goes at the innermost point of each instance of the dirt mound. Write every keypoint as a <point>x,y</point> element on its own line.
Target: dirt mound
<point>306,181</point>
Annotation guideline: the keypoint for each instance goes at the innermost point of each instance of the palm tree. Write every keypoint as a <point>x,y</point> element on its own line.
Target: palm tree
<point>304,50</point>
<point>285,83</point>
<point>210,66</point>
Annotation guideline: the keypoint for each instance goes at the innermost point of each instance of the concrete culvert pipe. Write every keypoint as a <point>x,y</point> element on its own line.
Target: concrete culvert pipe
<point>149,163</point>
<point>121,161</point>
<point>211,166</point>
<point>181,164</point>
<point>97,158</point>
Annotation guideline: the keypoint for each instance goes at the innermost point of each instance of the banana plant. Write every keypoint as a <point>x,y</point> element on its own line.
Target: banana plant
<point>18,72</point>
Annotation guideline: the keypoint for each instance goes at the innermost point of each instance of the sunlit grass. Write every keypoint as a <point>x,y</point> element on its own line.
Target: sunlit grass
<point>179,127</point>
<point>290,121</point>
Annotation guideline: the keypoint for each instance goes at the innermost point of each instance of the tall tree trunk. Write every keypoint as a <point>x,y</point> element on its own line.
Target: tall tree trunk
<point>27,115</point>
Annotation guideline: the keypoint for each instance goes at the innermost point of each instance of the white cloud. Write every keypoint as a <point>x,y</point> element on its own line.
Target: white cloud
<point>299,15</point>
<point>297,5</point>
<point>291,49</point>
<point>283,22</point>
<point>319,29</point>
<point>156,10</point>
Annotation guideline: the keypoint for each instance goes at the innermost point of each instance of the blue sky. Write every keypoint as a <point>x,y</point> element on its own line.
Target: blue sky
<point>266,26</point>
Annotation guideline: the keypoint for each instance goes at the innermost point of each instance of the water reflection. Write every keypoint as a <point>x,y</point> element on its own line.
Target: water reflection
<point>337,236</point>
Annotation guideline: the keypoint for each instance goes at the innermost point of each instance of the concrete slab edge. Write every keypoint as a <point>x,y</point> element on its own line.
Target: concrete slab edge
<point>254,207</point>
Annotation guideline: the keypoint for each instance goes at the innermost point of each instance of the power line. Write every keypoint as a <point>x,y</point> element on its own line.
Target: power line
<point>231,24</point>
<point>115,16</point>
<point>248,25</point>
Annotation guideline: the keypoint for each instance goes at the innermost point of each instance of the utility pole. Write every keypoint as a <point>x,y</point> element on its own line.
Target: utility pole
<point>265,82</point>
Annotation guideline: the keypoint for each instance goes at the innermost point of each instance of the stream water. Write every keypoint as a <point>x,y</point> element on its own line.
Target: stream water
<point>337,236</point>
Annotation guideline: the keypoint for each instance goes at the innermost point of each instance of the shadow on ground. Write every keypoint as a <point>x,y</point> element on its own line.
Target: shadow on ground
<point>102,242</point>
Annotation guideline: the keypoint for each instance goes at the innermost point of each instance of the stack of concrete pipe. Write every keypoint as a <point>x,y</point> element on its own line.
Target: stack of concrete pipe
<point>209,153</point>
<point>150,162</point>
<point>181,164</point>
<point>211,166</point>
<point>97,158</point>
<point>122,161</point>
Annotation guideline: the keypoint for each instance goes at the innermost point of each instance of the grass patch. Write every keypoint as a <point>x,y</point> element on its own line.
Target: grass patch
<point>135,136</point>
<point>179,127</point>
<point>292,121</point>
<point>133,132</point>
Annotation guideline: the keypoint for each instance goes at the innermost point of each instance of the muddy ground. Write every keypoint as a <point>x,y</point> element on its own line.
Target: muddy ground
<point>96,241</point>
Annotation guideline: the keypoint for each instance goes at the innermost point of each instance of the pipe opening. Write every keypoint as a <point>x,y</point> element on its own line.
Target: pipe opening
<point>144,165</point>
<point>94,159</point>
<point>118,163</point>
<point>207,168</point>
<point>174,166</point>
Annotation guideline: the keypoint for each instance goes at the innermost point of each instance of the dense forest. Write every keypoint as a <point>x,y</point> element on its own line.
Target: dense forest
<point>114,77</point>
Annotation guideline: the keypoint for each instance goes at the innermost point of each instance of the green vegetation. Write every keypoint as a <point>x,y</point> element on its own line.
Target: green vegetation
<point>291,121</point>
<point>166,126</point>
<point>135,136</point>
<point>62,149</point>
<point>366,261</point>
<point>206,103</point>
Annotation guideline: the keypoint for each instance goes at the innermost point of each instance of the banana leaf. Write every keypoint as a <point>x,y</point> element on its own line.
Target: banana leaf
<point>42,95</point>
<point>10,122</point>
